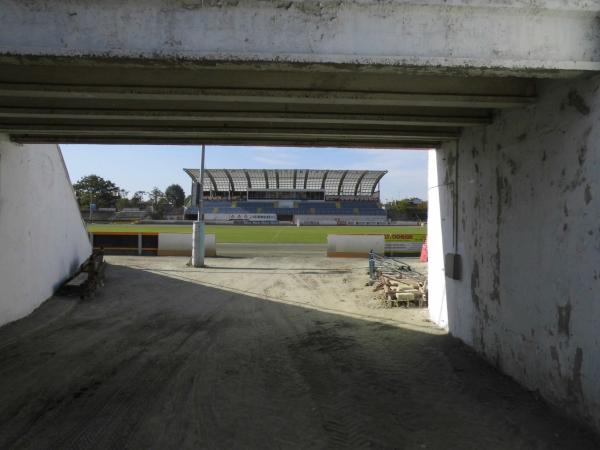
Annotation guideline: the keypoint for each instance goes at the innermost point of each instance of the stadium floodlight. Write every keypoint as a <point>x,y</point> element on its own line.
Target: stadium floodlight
<point>198,227</point>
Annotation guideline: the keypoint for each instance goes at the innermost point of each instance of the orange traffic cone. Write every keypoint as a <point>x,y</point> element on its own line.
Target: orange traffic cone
<point>424,251</point>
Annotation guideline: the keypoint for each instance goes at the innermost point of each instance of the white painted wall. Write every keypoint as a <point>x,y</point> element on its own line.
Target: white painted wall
<point>42,237</point>
<point>435,263</point>
<point>528,230</point>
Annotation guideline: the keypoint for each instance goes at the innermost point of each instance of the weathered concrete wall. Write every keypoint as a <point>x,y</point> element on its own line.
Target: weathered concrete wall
<point>514,35</point>
<point>527,224</point>
<point>42,236</point>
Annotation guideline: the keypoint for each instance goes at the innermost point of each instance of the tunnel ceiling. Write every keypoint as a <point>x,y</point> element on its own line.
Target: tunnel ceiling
<point>75,100</point>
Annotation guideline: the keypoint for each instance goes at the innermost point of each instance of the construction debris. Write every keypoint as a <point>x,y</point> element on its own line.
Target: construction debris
<point>397,283</point>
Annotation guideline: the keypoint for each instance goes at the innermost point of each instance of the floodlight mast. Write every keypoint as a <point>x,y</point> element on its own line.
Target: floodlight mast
<point>198,227</point>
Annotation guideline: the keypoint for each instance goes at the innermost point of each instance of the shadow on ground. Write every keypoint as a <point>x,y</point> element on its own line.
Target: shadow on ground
<point>157,362</point>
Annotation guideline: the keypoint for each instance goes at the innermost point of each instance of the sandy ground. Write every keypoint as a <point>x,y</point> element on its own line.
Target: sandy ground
<point>255,352</point>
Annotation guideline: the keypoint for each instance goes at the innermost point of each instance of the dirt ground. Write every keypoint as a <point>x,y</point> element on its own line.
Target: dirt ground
<point>254,353</point>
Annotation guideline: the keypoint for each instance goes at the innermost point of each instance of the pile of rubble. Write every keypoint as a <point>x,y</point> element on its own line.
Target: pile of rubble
<point>401,292</point>
<point>396,283</point>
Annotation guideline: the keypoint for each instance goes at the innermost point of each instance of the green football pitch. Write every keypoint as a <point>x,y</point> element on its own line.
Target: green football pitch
<point>257,233</point>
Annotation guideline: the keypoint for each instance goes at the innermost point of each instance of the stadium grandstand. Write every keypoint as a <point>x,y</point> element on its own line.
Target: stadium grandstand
<point>298,196</point>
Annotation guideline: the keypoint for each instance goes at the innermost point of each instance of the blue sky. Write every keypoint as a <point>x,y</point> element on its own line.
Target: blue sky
<point>141,167</point>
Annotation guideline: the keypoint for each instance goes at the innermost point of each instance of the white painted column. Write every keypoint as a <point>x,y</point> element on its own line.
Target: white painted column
<point>198,227</point>
<point>198,244</point>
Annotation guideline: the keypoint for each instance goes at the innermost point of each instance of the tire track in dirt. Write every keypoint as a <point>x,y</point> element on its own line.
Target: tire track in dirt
<point>144,384</point>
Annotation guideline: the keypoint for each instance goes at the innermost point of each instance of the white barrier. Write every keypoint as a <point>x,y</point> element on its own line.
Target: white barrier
<point>354,245</point>
<point>181,244</point>
<point>403,247</point>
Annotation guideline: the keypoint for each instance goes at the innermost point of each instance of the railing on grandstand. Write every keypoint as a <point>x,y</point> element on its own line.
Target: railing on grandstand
<point>303,208</point>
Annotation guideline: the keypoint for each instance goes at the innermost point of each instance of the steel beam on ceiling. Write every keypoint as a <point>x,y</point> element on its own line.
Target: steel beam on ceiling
<point>231,133</point>
<point>44,138</point>
<point>28,113</point>
<point>292,96</point>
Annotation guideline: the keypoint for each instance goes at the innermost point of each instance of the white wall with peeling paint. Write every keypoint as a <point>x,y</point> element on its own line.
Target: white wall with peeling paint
<point>527,227</point>
<point>42,237</point>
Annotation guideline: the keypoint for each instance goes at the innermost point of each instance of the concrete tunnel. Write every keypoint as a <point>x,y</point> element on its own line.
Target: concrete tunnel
<point>508,97</point>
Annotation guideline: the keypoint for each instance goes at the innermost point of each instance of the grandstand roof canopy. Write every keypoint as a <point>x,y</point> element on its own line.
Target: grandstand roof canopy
<point>333,182</point>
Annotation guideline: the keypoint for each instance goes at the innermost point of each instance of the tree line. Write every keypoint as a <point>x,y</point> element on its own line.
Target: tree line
<point>407,209</point>
<point>93,189</point>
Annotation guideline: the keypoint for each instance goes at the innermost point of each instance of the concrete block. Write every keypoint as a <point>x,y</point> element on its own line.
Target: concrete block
<point>181,245</point>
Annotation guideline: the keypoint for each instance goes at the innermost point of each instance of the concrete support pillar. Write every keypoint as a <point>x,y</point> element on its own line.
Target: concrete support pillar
<point>198,244</point>
<point>140,244</point>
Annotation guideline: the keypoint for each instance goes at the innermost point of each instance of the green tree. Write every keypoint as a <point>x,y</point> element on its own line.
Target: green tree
<point>175,195</point>
<point>407,209</point>
<point>159,203</point>
<point>122,203</point>
<point>94,189</point>
<point>156,195</point>
<point>137,200</point>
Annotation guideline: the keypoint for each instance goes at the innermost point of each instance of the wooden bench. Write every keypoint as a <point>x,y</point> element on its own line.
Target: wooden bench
<point>88,278</point>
